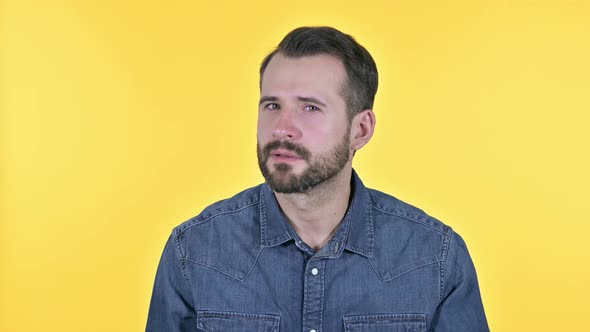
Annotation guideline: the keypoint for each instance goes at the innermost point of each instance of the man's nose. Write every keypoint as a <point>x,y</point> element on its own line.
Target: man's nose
<point>286,127</point>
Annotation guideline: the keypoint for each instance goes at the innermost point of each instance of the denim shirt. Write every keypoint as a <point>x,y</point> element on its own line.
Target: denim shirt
<point>240,266</point>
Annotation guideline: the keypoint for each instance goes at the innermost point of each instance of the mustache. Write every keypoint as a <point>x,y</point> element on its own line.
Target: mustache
<point>302,152</point>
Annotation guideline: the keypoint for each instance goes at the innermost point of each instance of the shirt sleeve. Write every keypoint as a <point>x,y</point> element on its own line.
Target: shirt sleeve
<point>461,308</point>
<point>171,306</point>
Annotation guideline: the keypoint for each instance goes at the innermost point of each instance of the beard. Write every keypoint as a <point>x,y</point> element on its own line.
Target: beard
<point>319,170</point>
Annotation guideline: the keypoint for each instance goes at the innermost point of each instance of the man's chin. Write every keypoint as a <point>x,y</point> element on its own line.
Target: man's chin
<point>283,176</point>
<point>283,181</point>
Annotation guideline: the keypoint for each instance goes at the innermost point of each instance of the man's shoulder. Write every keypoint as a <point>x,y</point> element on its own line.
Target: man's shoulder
<point>244,200</point>
<point>387,208</point>
<point>224,237</point>
<point>405,237</point>
<point>227,215</point>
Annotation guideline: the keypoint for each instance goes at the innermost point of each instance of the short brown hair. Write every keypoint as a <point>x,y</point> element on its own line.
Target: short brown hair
<point>362,78</point>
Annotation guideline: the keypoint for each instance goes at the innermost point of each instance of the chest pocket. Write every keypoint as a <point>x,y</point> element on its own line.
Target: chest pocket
<point>386,323</point>
<point>215,321</point>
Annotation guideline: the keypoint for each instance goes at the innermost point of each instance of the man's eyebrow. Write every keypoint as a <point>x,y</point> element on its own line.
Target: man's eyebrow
<point>312,100</point>
<point>304,99</point>
<point>267,98</point>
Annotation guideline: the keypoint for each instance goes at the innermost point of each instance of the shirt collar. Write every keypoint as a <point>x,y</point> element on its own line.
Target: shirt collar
<point>355,232</point>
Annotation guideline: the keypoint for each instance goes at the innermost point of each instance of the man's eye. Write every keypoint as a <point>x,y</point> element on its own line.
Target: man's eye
<point>272,106</point>
<point>311,108</point>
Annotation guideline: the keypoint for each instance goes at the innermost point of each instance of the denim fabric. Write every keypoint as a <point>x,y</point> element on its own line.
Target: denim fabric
<point>239,266</point>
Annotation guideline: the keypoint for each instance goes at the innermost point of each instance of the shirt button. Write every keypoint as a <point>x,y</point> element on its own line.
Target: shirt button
<point>311,330</point>
<point>314,271</point>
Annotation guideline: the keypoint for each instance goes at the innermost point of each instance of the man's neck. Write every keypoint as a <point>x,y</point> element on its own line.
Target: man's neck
<point>315,214</point>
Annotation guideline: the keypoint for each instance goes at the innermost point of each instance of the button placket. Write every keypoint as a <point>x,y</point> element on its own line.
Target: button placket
<point>313,298</point>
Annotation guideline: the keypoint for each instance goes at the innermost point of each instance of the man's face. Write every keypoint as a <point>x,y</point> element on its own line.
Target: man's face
<point>303,127</point>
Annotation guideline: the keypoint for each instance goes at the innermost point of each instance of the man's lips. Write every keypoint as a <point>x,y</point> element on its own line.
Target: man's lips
<point>284,155</point>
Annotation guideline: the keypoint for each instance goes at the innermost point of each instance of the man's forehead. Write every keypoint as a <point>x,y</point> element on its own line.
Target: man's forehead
<point>321,73</point>
<point>324,61</point>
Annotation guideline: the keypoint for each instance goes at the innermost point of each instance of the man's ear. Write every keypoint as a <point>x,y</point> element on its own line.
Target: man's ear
<point>361,129</point>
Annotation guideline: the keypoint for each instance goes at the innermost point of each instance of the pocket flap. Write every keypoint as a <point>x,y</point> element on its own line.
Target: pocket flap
<point>216,321</point>
<point>386,323</point>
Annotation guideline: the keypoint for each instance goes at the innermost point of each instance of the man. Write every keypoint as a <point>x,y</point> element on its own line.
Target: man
<point>312,249</point>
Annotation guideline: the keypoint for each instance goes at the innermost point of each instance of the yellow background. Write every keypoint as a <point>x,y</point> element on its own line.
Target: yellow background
<point>121,119</point>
